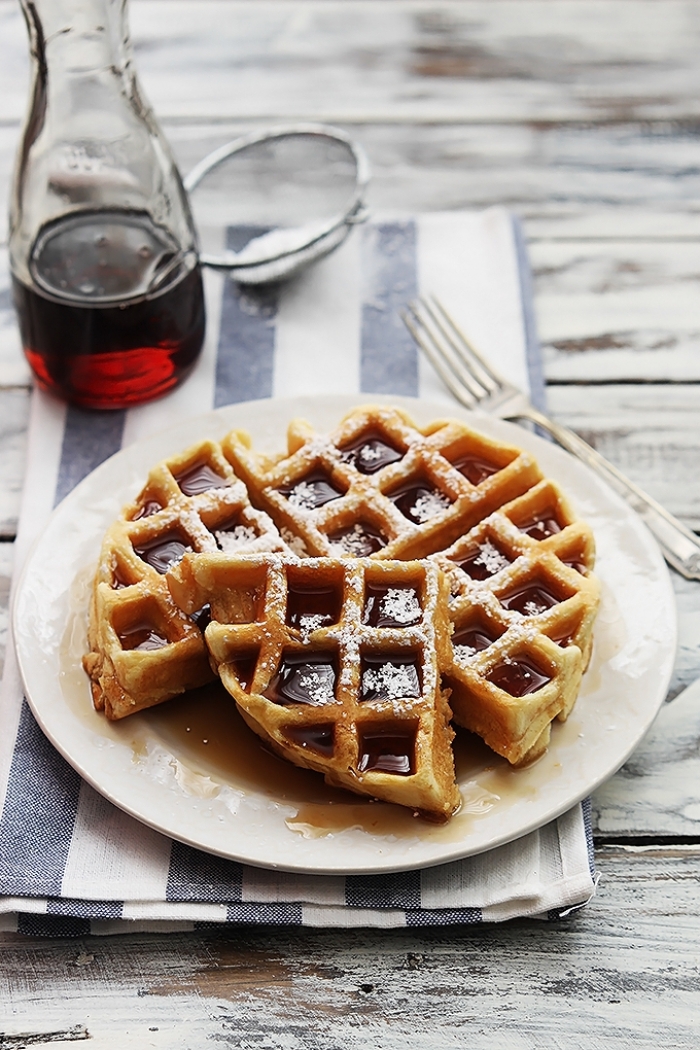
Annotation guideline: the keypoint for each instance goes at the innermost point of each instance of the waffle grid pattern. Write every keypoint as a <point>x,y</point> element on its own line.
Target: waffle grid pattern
<point>532,599</point>
<point>143,649</point>
<point>386,691</point>
<point>407,498</point>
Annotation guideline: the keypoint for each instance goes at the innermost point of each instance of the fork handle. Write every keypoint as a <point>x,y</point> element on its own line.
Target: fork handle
<point>680,547</point>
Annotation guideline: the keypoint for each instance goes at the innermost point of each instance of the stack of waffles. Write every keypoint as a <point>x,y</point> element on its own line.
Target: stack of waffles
<point>353,593</point>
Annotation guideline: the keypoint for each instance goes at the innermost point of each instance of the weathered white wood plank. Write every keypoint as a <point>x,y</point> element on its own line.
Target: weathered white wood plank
<point>14,370</point>
<point>618,310</point>
<point>622,973</point>
<point>651,432</point>
<point>658,790</point>
<point>502,60</point>
<point>587,181</point>
<point>14,418</point>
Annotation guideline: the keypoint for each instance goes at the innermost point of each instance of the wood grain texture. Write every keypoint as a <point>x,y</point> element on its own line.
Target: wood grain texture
<point>651,432</point>
<point>622,973</point>
<point>14,418</point>
<point>485,60</point>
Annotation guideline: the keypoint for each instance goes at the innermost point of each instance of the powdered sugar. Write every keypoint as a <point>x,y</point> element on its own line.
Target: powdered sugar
<point>295,543</point>
<point>429,505</point>
<point>390,682</point>
<point>235,538</point>
<point>400,604</point>
<point>303,496</point>
<point>355,542</point>
<point>317,683</point>
<point>491,558</point>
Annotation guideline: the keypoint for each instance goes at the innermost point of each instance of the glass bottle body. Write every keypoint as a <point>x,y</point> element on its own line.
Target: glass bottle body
<point>103,251</point>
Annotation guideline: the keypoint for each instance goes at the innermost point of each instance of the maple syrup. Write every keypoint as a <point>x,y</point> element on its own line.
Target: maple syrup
<point>370,453</point>
<point>98,327</point>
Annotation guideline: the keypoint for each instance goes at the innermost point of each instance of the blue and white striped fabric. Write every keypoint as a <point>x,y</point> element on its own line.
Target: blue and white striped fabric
<point>70,862</point>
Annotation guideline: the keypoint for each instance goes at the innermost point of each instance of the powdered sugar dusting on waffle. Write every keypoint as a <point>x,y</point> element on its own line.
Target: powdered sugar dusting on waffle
<point>429,505</point>
<point>235,538</point>
<point>401,605</point>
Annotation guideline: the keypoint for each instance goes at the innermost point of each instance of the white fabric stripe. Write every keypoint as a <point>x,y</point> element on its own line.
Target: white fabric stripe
<point>387,918</point>
<point>485,879</point>
<point>277,887</point>
<point>46,421</point>
<point>562,894</point>
<point>192,911</point>
<point>112,856</point>
<point>572,843</point>
<point>31,905</point>
<point>317,338</point>
<point>463,262</point>
<point>197,394</point>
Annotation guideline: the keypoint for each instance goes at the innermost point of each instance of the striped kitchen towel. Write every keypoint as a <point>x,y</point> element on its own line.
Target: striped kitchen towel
<point>70,862</point>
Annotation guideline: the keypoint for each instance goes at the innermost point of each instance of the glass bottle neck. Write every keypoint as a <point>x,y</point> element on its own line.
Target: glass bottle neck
<point>79,36</point>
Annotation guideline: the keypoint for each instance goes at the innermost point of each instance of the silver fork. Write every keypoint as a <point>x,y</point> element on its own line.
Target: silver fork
<point>475,384</point>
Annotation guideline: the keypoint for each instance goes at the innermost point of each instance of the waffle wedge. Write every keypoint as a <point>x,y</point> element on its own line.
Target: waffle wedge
<point>143,649</point>
<point>335,663</point>
<point>523,603</point>
<point>379,486</point>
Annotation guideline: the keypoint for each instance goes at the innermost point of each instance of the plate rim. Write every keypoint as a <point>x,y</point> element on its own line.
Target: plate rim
<point>452,851</point>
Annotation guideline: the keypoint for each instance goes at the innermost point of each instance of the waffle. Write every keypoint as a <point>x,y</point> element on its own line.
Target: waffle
<point>379,486</point>
<point>335,663</point>
<point>143,649</point>
<point>522,608</point>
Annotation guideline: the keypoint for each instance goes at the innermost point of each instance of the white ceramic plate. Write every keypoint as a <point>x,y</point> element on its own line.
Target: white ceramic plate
<point>149,770</point>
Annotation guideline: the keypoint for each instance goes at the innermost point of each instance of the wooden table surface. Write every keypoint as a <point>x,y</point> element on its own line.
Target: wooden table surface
<point>583,116</point>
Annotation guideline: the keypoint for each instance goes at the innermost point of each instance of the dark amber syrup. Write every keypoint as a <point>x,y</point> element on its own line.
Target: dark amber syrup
<point>112,356</point>
<point>114,315</point>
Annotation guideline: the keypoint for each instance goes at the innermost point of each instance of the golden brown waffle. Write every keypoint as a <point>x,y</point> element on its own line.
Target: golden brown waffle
<point>143,649</point>
<point>522,608</point>
<point>336,664</point>
<point>380,486</point>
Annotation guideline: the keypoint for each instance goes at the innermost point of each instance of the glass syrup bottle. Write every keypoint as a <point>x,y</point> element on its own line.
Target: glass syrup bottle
<point>103,250</point>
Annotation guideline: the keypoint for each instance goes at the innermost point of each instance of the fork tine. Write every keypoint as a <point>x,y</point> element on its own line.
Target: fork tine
<point>439,347</point>
<point>444,369</point>
<point>468,353</point>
